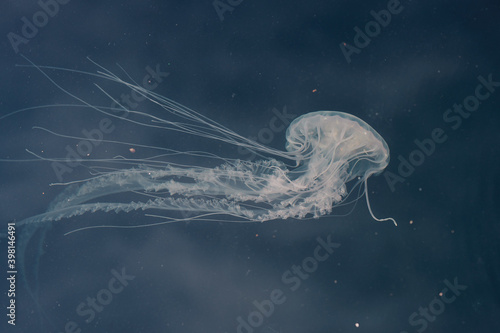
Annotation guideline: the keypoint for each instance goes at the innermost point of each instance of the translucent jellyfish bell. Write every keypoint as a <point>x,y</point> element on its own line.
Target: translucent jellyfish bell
<point>334,148</point>
<point>332,136</point>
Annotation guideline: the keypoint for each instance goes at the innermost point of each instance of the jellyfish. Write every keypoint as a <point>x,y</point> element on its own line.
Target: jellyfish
<point>327,156</point>
<point>325,152</point>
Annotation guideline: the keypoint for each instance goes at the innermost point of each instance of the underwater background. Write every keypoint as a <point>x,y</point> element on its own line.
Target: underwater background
<point>425,75</point>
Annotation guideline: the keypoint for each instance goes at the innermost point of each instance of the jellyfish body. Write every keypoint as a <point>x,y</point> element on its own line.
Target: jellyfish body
<point>327,150</point>
<point>336,148</point>
<point>330,149</point>
<point>328,154</point>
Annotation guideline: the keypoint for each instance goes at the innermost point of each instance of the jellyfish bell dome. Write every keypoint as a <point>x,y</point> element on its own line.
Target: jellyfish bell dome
<point>335,139</point>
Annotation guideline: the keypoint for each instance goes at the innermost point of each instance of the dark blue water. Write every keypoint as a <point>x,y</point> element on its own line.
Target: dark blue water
<point>424,75</point>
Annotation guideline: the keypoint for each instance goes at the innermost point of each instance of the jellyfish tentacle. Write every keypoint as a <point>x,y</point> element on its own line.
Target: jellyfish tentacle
<point>370,208</point>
